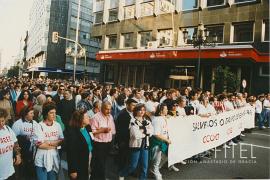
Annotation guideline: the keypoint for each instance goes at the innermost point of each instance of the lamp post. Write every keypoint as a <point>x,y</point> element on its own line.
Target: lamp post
<point>199,39</point>
<point>69,50</point>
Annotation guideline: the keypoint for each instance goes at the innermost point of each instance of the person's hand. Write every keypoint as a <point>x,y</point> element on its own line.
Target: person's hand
<point>169,141</point>
<point>106,130</point>
<point>73,175</point>
<point>17,160</point>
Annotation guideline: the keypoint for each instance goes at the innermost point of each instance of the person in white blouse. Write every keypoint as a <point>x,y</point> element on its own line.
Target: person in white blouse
<point>258,111</point>
<point>49,137</point>
<point>206,109</point>
<point>24,130</point>
<point>181,101</point>
<point>8,146</point>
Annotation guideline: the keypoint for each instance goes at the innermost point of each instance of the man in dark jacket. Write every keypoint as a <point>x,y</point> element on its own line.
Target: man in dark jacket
<point>122,132</point>
<point>58,97</point>
<point>67,107</point>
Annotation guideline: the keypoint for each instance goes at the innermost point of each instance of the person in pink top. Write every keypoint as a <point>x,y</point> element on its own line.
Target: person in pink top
<point>103,128</point>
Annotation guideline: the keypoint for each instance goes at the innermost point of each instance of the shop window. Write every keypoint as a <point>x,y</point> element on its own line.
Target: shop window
<point>243,32</point>
<point>264,71</point>
<point>189,4</point>
<point>211,3</point>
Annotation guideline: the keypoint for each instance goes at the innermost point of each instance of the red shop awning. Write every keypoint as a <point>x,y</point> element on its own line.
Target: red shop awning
<point>218,52</point>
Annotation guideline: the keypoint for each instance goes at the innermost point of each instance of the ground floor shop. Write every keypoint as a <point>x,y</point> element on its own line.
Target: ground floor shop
<point>176,68</point>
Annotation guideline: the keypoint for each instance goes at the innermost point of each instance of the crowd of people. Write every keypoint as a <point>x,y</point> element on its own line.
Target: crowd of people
<point>42,120</point>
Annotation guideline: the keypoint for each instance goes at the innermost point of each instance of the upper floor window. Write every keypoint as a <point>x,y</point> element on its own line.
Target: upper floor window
<point>240,1</point>
<point>215,30</point>
<point>113,4</point>
<point>191,31</point>
<point>165,37</point>
<point>243,32</point>
<point>265,30</point>
<point>147,8</point>
<point>189,4</point>
<point>127,39</point>
<point>129,2</point>
<point>129,12</point>
<point>112,41</point>
<point>98,17</point>
<point>145,37</point>
<point>215,2</point>
<point>113,14</point>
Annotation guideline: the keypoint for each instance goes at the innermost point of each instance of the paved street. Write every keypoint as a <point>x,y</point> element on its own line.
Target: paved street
<point>226,168</point>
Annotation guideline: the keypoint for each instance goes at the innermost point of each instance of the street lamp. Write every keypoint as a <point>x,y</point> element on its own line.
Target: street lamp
<point>69,51</point>
<point>200,38</point>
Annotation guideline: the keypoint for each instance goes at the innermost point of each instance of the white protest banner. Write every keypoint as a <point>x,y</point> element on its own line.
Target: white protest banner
<point>191,135</point>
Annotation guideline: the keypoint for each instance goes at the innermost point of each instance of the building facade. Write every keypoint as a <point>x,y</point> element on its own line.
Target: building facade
<point>143,41</point>
<point>50,16</point>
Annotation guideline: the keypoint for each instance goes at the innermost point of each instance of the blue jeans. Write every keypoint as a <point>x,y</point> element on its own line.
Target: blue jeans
<point>259,119</point>
<point>136,156</point>
<point>42,174</point>
<point>266,116</point>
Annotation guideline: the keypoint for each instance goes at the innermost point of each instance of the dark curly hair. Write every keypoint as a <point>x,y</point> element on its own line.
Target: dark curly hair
<point>46,108</point>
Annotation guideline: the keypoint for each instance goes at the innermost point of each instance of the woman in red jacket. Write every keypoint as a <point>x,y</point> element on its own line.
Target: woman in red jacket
<point>25,99</point>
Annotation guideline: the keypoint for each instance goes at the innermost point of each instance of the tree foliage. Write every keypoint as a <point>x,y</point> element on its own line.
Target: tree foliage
<point>13,71</point>
<point>225,80</point>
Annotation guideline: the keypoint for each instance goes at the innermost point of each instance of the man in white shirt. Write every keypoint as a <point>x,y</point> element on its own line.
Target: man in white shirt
<point>258,111</point>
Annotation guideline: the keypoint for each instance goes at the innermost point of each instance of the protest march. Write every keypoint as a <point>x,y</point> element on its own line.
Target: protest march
<point>43,121</point>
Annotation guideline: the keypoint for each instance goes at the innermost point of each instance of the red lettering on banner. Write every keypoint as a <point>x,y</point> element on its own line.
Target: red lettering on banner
<point>210,138</point>
<point>6,139</point>
<point>6,149</point>
<point>51,134</point>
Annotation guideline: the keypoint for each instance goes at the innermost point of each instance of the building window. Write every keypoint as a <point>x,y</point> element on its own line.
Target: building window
<point>191,31</point>
<point>127,37</point>
<point>211,3</point>
<point>242,1</point>
<point>129,2</point>
<point>145,37</point>
<point>166,6</point>
<point>243,32</point>
<point>265,30</point>
<point>112,41</point>
<point>98,17</point>
<point>113,15</point>
<point>165,37</point>
<point>113,4</point>
<point>264,71</point>
<point>129,12</point>
<point>189,4</point>
<point>216,30</point>
<point>147,9</point>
